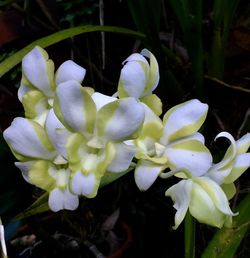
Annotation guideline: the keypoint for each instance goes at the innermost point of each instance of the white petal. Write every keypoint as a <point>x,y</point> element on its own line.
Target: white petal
<point>57,133</point>
<point>123,156</point>
<point>84,185</point>
<point>180,194</point>
<point>62,199</point>
<point>183,120</point>
<point>146,173</point>
<point>243,143</point>
<point>39,70</point>
<point>101,99</point>
<point>133,77</point>
<point>153,77</point>
<point>22,90</point>
<point>230,153</point>
<point>25,167</point>
<point>69,70</point>
<point>216,194</point>
<point>189,154</point>
<point>119,120</point>
<point>74,107</point>
<point>28,138</point>
<point>240,165</point>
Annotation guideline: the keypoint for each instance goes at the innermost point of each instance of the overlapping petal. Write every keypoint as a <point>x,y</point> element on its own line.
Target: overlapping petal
<point>146,173</point>
<point>183,120</point>
<point>28,139</point>
<point>123,156</point>
<point>39,70</point>
<point>68,71</point>
<point>120,120</point>
<point>180,193</point>
<point>62,199</point>
<point>138,77</point>
<point>189,154</point>
<point>74,107</point>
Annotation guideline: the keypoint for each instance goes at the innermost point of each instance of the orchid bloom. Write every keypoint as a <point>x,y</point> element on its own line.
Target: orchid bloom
<point>39,82</point>
<point>234,163</point>
<point>207,196</point>
<point>173,143</point>
<point>139,78</point>
<point>42,162</point>
<point>205,200</point>
<point>100,125</point>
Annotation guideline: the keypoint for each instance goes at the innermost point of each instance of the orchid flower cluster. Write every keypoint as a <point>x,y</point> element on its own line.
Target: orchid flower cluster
<point>71,137</point>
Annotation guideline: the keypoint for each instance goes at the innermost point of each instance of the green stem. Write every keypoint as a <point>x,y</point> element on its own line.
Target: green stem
<point>189,225</point>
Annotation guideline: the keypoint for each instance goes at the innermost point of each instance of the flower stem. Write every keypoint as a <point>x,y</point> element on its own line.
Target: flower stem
<point>189,225</point>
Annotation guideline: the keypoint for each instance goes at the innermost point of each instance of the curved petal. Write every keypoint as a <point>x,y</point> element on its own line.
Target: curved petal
<point>86,185</point>
<point>39,175</point>
<point>57,133</point>
<point>189,154</point>
<point>133,77</point>
<point>101,99</point>
<point>28,138</point>
<point>153,102</point>
<point>69,70</point>
<point>230,153</point>
<point>216,194</point>
<point>62,199</point>
<point>74,107</point>
<point>153,76</point>
<point>25,87</point>
<point>36,106</point>
<point>202,208</point>
<point>39,70</point>
<point>25,168</point>
<point>123,156</point>
<point>183,120</point>
<point>243,143</point>
<point>240,165</point>
<point>120,120</point>
<point>146,172</point>
<point>180,193</point>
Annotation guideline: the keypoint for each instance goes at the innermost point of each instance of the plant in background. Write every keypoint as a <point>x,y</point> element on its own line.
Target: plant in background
<point>73,137</point>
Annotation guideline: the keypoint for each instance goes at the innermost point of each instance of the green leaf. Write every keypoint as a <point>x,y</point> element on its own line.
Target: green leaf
<point>227,240</point>
<point>54,38</point>
<point>39,206</point>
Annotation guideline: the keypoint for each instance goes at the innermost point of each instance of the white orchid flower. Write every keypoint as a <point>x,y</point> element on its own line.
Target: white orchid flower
<point>139,78</point>
<point>38,84</point>
<point>204,199</point>
<point>234,163</point>
<point>100,127</point>
<point>41,163</point>
<point>173,143</point>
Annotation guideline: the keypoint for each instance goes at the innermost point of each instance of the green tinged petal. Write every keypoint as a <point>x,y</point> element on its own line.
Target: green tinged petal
<point>183,120</point>
<point>153,102</point>
<point>39,70</point>
<point>39,175</point>
<point>120,120</point>
<point>35,105</point>
<point>75,108</point>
